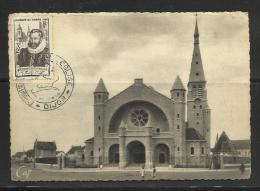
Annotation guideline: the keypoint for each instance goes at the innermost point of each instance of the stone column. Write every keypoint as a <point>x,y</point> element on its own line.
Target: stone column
<point>62,161</point>
<point>148,147</point>
<point>122,152</point>
<point>221,160</point>
<point>122,148</point>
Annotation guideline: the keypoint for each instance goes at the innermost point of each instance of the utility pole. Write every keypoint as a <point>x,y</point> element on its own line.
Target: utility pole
<point>34,151</point>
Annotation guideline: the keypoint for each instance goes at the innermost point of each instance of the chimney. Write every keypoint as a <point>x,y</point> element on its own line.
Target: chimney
<point>138,81</point>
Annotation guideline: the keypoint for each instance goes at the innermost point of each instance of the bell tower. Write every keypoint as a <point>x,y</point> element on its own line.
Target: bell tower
<point>100,97</point>
<point>198,112</point>
<point>178,96</point>
<point>19,31</point>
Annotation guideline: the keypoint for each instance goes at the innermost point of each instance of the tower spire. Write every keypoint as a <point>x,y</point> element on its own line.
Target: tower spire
<point>196,71</point>
<point>101,87</point>
<point>178,85</point>
<point>196,32</point>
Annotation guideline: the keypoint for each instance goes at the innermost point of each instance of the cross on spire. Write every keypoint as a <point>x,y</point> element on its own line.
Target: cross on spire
<point>196,32</point>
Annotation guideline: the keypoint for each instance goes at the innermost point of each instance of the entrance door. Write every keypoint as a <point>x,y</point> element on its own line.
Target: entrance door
<point>114,154</point>
<point>136,153</point>
<point>161,158</point>
<point>161,154</point>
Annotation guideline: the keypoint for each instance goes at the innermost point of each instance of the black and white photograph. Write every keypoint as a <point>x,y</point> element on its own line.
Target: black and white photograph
<point>134,96</point>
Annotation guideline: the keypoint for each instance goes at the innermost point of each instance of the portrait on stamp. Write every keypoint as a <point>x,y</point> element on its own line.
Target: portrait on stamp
<point>36,53</point>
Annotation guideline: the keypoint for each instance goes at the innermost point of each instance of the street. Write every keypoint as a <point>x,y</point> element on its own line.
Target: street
<point>28,173</point>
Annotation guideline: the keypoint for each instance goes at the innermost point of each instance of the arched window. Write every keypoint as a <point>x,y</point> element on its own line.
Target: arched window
<point>178,148</point>
<point>91,153</point>
<point>158,130</point>
<point>99,97</point>
<point>178,115</point>
<point>178,94</point>
<point>202,150</point>
<point>200,106</point>
<point>192,150</point>
<point>194,107</point>
<point>178,127</point>
<point>99,128</point>
<point>99,117</point>
<point>198,114</point>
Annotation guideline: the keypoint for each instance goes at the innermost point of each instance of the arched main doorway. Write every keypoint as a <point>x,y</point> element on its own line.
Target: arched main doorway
<point>113,154</point>
<point>161,154</point>
<point>136,153</point>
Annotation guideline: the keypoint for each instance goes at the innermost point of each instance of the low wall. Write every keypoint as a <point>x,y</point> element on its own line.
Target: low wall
<point>236,160</point>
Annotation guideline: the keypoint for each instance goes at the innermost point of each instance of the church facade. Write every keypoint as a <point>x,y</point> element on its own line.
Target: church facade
<point>140,126</point>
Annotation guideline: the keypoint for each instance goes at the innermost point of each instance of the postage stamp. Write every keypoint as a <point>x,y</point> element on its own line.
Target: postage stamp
<point>30,44</point>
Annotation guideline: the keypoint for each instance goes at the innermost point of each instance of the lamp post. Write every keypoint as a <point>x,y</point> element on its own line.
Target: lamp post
<point>34,150</point>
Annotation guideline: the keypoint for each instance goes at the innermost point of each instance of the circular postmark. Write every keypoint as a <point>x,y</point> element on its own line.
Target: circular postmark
<point>49,95</point>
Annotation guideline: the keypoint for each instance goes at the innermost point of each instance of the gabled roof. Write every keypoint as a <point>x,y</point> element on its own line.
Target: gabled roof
<point>141,86</point>
<point>178,85</point>
<point>18,154</point>
<point>193,134</point>
<point>224,144</point>
<point>75,148</point>
<point>101,88</point>
<point>241,144</point>
<point>44,145</point>
<point>90,139</point>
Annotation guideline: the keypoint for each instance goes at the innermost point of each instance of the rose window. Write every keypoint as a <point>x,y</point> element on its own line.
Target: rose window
<point>139,117</point>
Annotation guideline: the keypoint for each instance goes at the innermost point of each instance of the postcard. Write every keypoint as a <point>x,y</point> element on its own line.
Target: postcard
<point>129,96</point>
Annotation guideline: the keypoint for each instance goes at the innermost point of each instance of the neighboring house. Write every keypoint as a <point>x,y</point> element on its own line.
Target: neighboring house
<point>19,156</point>
<point>76,156</point>
<point>75,152</point>
<point>242,147</point>
<point>141,126</point>
<point>228,151</point>
<point>89,152</point>
<point>44,149</point>
<point>30,155</point>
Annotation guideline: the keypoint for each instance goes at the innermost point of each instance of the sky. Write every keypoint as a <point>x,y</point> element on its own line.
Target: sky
<point>157,47</point>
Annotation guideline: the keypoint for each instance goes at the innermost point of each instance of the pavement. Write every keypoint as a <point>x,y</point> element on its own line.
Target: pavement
<point>26,172</point>
<point>131,169</point>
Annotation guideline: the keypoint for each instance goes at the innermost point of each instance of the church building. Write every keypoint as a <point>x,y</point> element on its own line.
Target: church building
<point>140,126</point>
